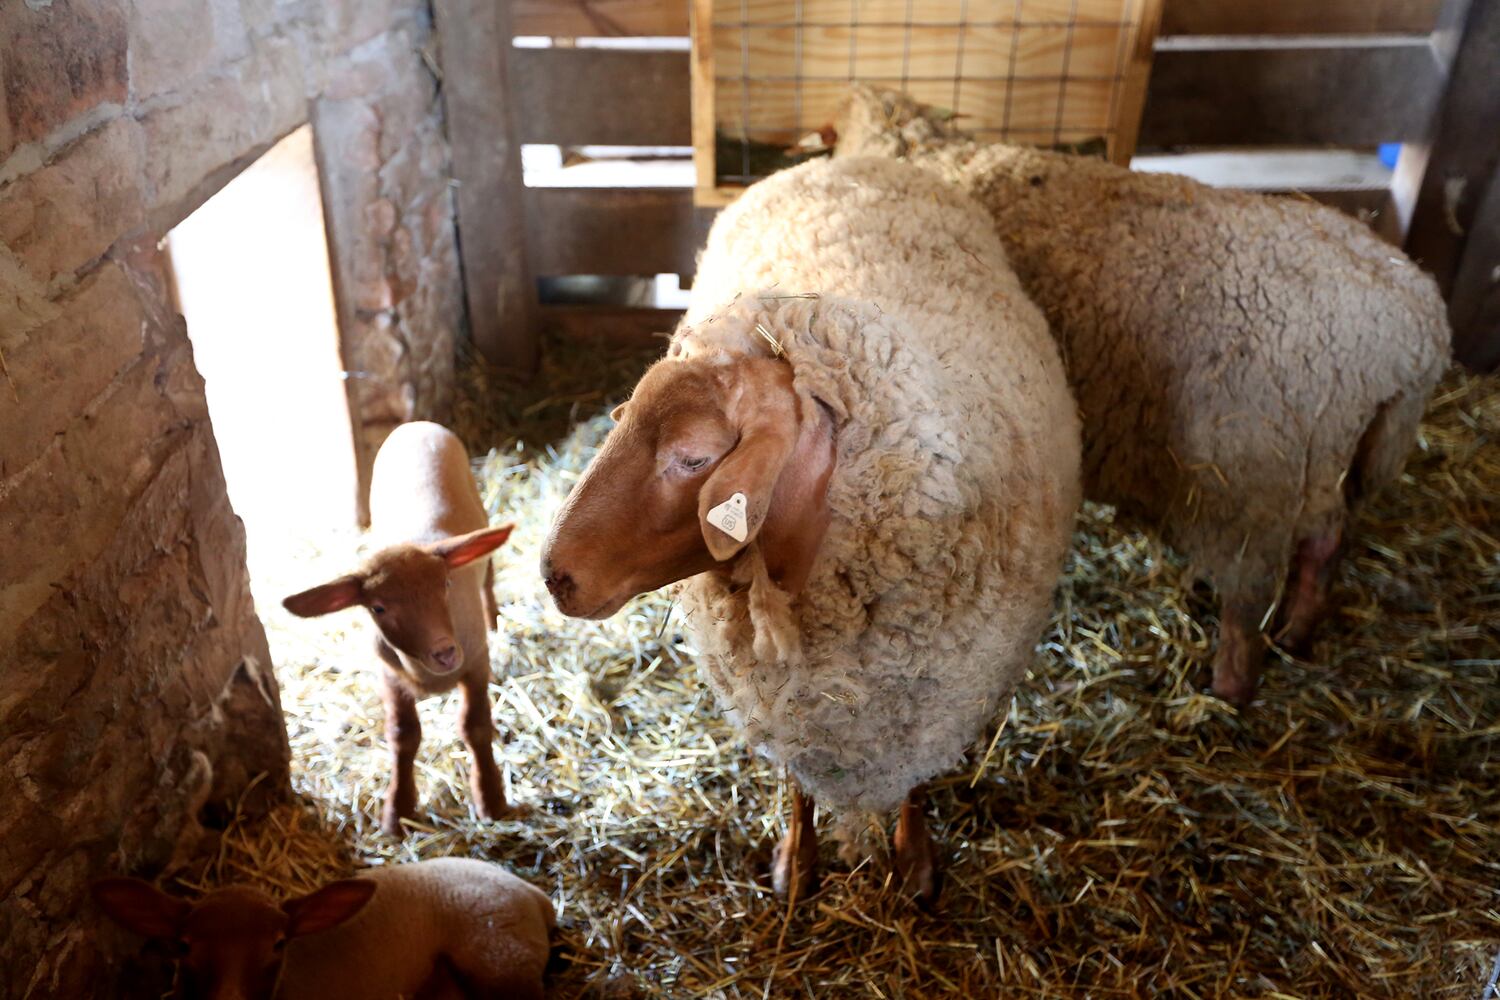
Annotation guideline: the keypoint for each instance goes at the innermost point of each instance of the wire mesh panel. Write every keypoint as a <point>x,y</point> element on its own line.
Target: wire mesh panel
<point>767,73</point>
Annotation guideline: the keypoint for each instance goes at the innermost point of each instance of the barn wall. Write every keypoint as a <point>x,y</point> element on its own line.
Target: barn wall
<point>135,683</point>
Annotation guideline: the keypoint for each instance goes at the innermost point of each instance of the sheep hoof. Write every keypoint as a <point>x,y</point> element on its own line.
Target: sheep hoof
<point>915,858</point>
<point>794,867</point>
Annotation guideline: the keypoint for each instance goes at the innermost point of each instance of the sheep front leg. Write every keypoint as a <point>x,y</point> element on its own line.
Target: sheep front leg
<point>485,782</point>
<point>916,858</point>
<point>403,734</point>
<point>491,607</point>
<point>795,862</point>
<point>1242,648</point>
<point>1307,591</point>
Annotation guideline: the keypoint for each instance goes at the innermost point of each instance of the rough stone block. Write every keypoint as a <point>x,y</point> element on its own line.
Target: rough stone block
<point>171,42</point>
<point>229,118</point>
<point>61,59</point>
<point>62,366</point>
<point>69,212</point>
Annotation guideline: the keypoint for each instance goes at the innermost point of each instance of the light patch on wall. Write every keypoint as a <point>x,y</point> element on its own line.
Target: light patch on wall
<point>252,276</point>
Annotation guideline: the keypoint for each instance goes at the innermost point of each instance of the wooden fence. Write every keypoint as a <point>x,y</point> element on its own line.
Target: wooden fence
<point>1341,73</point>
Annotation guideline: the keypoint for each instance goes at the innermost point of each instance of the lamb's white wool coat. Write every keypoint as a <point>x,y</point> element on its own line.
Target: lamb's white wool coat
<point>954,491</point>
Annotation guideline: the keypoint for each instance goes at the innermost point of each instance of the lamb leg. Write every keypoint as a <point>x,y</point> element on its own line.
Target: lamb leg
<point>403,734</point>
<point>794,864</point>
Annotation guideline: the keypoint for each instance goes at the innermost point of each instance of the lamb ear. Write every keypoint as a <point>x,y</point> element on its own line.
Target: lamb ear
<point>141,907</point>
<point>460,550</point>
<point>326,598</point>
<point>328,907</point>
<point>618,411</point>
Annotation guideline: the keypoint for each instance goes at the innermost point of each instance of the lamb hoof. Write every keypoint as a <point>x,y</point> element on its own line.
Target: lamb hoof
<point>1234,686</point>
<point>794,868</point>
<point>390,825</point>
<point>505,810</point>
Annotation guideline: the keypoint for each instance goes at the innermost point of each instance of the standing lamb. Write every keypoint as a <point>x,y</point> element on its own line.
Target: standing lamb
<point>1249,369</point>
<point>861,454</point>
<point>451,927</point>
<point>430,593</point>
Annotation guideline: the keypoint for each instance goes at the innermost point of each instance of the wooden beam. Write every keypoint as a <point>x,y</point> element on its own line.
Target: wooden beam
<point>615,324</point>
<point>605,97</point>
<point>600,18</point>
<point>1249,96</point>
<point>614,230</point>
<point>1300,17</point>
<point>1302,95</point>
<point>479,101</point>
<point>1460,186</point>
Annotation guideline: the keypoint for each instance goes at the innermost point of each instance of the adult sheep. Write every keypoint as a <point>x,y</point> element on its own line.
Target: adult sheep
<point>861,454</point>
<point>1248,368</point>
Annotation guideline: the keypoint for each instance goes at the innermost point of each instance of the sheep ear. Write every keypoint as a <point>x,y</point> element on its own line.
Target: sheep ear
<point>460,550</point>
<point>618,411</point>
<point>328,907</point>
<point>735,500</point>
<point>141,907</point>
<point>326,598</point>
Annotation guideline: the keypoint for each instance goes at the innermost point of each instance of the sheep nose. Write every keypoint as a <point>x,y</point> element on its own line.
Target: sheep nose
<point>446,656</point>
<point>559,584</point>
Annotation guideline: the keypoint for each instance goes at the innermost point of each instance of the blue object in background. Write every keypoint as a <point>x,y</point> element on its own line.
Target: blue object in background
<point>1388,153</point>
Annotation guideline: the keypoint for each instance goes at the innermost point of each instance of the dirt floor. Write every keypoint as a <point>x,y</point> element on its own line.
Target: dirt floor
<point>1118,833</point>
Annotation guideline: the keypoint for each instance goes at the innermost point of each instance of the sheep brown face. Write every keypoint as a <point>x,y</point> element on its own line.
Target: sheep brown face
<point>232,943</point>
<point>697,434</point>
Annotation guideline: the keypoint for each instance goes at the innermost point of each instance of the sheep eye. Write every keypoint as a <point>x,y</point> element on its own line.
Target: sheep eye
<point>693,464</point>
<point>378,608</point>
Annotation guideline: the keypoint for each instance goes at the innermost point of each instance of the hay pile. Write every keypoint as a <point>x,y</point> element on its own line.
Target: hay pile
<point>1121,834</point>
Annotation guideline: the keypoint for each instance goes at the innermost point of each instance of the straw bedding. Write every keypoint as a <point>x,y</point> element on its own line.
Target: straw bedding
<point>1119,834</point>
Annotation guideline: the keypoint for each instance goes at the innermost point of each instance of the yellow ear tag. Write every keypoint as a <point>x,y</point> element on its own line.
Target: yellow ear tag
<point>729,517</point>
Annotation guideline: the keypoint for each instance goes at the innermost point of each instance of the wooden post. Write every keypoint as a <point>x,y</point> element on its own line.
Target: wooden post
<point>1461,187</point>
<point>474,39</point>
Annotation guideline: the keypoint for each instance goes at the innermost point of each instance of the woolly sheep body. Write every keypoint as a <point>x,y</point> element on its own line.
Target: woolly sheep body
<point>1235,357</point>
<point>954,490</point>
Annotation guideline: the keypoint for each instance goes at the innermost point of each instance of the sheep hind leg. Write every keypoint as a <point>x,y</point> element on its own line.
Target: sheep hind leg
<point>916,859</point>
<point>1306,602</point>
<point>1242,648</point>
<point>794,864</point>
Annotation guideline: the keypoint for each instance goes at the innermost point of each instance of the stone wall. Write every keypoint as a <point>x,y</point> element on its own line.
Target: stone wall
<point>136,693</point>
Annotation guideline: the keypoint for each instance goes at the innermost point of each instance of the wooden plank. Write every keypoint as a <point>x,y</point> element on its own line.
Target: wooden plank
<point>605,97</point>
<point>1255,96</point>
<point>473,38</point>
<point>614,230</point>
<point>1460,192</point>
<point>599,18</point>
<point>1474,308</point>
<point>1295,96</point>
<point>615,324</point>
<point>1130,96</point>
<point>704,105</point>
<point>1300,17</point>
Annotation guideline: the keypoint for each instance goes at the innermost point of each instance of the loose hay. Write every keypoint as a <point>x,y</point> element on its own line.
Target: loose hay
<point>1122,834</point>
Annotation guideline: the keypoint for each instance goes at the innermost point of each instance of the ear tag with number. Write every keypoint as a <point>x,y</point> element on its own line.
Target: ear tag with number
<point>729,517</point>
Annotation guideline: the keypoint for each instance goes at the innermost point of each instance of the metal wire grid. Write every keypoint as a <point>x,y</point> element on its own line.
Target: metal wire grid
<point>1007,130</point>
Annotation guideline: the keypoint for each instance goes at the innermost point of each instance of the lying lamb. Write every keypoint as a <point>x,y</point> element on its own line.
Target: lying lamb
<point>446,927</point>
<point>861,454</point>
<point>1249,369</point>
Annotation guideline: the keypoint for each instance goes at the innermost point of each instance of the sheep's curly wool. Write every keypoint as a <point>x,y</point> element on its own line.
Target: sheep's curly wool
<point>1246,366</point>
<point>953,494</point>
